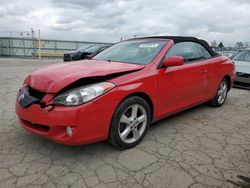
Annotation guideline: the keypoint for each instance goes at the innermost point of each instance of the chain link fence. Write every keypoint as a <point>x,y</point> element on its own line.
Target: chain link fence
<point>28,47</point>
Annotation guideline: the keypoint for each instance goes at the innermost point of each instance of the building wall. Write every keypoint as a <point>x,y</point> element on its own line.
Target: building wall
<point>28,47</point>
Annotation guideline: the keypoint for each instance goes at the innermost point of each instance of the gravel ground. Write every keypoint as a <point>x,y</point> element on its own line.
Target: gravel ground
<point>201,147</point>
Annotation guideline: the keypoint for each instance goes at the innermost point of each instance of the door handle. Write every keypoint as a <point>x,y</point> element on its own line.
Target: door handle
<point>203,71</point>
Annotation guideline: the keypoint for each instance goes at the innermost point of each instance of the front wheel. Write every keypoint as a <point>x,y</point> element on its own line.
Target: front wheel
<point>221,94</point>
<point>130,122</point>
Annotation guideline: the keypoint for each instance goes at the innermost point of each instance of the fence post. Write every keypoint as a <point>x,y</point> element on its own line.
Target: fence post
<point>39,45</point>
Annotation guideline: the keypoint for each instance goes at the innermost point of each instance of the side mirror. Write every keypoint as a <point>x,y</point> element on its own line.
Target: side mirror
<point>173,61</point>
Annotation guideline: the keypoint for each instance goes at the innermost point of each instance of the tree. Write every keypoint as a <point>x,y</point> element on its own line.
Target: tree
<point>239,44</point>
<point>221,45</point>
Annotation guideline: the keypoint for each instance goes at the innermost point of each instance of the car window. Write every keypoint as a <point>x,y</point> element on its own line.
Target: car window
<point>242,56</point>
<point>103,48</point>
<point>92,49</point>
<point>203,51</point>
<point>83,48</point>
<point>188,50</point>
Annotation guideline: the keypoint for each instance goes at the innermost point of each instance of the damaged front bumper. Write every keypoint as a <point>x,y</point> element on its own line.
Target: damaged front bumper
<point>88,122</point>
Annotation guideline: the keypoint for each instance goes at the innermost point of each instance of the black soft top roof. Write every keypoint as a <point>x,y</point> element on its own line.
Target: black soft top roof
<point>178,39</point>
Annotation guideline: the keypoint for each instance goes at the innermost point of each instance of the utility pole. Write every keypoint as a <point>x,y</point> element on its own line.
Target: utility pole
<point>32,33</point>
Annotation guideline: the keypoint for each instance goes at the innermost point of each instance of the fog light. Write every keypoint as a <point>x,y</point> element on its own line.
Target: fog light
<point>69,131</point>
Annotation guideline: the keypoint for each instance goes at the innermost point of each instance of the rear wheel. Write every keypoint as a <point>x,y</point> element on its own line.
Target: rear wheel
<point>130,122</point>
<point>221,94</point>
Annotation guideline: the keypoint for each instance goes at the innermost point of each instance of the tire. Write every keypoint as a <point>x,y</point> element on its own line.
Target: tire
<point>129,123</point>
<point>221,94</point>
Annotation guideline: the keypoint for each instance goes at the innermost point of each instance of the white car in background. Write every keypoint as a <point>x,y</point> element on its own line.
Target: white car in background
<point>242,66</point>
<point>229,54</point>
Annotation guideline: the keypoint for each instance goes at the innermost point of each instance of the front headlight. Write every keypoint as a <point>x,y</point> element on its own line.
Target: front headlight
<point>83,94</point>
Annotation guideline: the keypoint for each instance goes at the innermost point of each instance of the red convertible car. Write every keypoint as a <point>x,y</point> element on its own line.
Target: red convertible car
<point>122,90</point>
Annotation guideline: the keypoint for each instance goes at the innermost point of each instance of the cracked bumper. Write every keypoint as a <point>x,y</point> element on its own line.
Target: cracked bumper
<point>90,122</point>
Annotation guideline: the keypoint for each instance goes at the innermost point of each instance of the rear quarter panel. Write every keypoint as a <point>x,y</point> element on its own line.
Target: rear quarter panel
<point>218,68</point>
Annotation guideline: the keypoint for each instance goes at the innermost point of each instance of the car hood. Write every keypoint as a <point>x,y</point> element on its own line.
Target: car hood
<point>53,78</point>
<point>242,66</point>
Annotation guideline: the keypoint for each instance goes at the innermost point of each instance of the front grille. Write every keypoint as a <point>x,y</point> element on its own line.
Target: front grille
<point>66,57</point>
<point>38,127</point>
<point>35,93</point>
<point>243,75</point>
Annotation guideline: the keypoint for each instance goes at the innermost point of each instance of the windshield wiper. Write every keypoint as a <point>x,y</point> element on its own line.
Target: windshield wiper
<point>108,60</point>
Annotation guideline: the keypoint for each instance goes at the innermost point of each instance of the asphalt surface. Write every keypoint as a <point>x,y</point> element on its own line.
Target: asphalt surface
<point>201,147</point>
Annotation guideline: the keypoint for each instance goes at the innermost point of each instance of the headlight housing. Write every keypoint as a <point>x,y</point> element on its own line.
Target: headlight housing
<point>83,94</point>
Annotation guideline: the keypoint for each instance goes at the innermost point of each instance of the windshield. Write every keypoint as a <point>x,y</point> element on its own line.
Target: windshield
<point>82,48</point>
<point>92,49</point>
<point>226,53</point>
<point>133,51</point>
<point>242,56</point>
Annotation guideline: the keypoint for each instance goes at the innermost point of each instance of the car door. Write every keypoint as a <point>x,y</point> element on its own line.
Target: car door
<point>212,75</point>
<point>182,86</point>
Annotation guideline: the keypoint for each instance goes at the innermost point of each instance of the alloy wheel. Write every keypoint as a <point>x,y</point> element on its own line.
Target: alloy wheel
<point>132,123</point>
<point>222,92</point>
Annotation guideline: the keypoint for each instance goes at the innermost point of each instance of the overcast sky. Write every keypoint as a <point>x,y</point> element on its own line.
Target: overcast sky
<point>109,20</point>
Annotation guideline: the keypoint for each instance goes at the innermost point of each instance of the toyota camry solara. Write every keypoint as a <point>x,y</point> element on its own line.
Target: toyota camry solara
<point>121,91</point>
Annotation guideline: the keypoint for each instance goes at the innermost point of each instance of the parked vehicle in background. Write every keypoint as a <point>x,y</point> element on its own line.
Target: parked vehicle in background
<point>122,90</point>
<point>242,65</point>
<point>229,54</point>
<point>84,53</point>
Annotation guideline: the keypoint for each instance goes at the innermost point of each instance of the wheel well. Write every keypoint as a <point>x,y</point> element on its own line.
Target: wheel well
<point>228,81</point>
<point>147,99</point>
